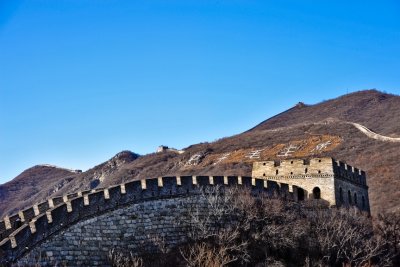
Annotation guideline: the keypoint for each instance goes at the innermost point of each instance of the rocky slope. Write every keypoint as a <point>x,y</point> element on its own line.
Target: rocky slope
<point>33,184</point>
<point>304,131</point>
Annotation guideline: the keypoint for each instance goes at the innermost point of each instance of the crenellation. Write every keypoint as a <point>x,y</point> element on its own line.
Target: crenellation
<point>160,182</point>
<point>353,175</point>
<point>32,226</point>
<point>69,206</point>
<point>21,216</point>
<point>7,222</point>
<point>225,180</point>
<point>51,203</point>
<point>49,216</point>
<point>293,186</point>
<point>106,194</point>
<point>143,184</point>
<point>36,210</point>
<point>318,178</point>
<point>13,241</point>
<point>123,190</point>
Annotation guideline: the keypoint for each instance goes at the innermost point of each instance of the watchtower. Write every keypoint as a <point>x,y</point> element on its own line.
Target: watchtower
<point>318,178</point>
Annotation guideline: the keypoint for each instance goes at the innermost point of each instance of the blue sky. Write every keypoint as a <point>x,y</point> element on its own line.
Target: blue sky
<point>81,80</point>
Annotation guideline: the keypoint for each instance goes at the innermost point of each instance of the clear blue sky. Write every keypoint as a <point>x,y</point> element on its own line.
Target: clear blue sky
<point>81,80</point>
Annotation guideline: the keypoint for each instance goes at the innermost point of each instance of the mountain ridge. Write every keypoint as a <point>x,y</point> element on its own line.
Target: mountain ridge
<point>322,129</point>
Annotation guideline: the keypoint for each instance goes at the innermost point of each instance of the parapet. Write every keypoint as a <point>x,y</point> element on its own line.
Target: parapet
<point>315,167</point>
<point>72,208</point>
<point>349,173</point>
<point>293,167</point>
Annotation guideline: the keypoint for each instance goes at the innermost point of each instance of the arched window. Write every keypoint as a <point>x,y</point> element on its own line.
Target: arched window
<point>306,170</point>
<point>341,195</point>
<point>276,172</point>
<point>316,193</point>
<point>349,197</point>
<point>355,198</point>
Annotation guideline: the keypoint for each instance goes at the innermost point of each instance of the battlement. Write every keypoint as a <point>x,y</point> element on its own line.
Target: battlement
<point>326,178</point>
<point>42,221</point>
<point>12,222</point>
<point>293,167</point>
<point>347,172</point>
<point>315,167</point>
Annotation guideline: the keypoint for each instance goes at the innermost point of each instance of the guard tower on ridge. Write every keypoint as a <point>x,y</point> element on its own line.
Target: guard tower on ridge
<point>318,178</point>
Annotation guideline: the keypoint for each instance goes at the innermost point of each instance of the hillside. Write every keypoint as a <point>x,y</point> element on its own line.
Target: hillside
<point>324,129</point>
<point>37,182</point>
<point>377,111</point>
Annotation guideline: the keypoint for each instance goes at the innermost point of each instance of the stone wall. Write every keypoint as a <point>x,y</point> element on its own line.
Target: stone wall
<point>326,175</point>
<point>293,167</point>
<point>11,223</point>
<point>41,227</point>
<point>301,176</point>
<point>59,218</point>
<point>142,227</point>
<point>348,194</point>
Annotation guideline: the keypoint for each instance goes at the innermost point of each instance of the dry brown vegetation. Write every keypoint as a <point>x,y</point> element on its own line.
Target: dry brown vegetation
<point>378,111</point>
<point>240,229</point>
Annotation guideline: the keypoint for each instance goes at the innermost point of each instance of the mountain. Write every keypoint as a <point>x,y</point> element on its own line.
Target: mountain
<point>38,182</point>
<point>373,109</point>
<point>362,129</point>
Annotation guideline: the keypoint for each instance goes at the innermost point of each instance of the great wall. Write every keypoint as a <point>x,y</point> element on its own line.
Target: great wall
<point>80,228</point>
<point>374,135</point>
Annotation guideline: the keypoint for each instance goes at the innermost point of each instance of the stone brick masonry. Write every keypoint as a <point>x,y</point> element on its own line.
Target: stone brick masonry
<point>333,181</point>
<point>80,228</point>
<point>142,227</point>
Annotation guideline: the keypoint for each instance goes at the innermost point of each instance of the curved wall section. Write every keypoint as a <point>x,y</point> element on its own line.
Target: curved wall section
<point>51,223</point>
<point>139,227</point>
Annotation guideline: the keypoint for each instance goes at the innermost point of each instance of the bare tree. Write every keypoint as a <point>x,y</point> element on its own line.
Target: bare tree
<point>387,226</point>
<point>235,226</point>
<point>215,228</point>
<point>345,236</point>
<point>124,258</point>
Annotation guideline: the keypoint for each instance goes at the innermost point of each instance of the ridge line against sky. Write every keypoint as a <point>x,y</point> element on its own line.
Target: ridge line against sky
<point>82,80</point>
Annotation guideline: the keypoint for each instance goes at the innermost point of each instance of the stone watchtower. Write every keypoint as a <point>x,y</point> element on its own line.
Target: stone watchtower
<point>318,178</point>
